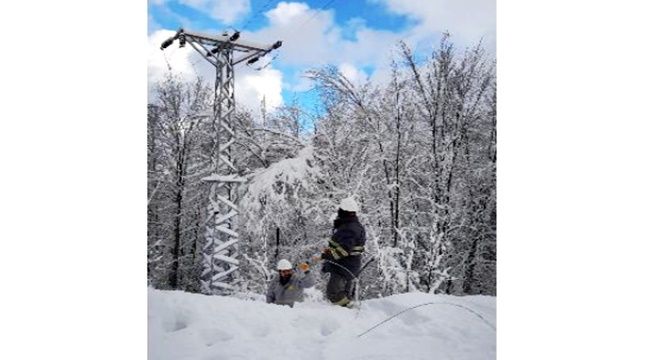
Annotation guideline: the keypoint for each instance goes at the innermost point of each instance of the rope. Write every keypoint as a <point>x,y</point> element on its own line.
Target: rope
<point>431,303</point>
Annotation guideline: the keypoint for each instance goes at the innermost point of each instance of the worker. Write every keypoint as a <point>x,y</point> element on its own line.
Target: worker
<point>287,287</point>
<point>343,254</point>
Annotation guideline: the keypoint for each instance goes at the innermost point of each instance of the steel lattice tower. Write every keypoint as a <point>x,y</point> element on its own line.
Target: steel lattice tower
<point>221,236</point>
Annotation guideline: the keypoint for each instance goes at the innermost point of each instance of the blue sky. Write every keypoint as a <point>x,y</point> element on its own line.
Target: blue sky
<point>373,12</point>
<point>357,36</point>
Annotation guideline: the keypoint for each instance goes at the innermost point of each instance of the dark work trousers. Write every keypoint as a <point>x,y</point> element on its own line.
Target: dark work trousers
<point>339,289</point>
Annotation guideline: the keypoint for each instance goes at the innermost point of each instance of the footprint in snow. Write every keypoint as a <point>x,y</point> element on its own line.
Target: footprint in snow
<point>328,328</point>
<point>213,336</point>
<point>176,325</point>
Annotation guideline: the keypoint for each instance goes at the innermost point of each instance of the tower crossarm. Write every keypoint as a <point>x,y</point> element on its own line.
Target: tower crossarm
<point>252,51</point>
<point>216,40</point>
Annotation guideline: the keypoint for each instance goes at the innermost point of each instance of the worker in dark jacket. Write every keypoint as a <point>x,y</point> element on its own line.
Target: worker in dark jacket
<point>344,253</point>
<point>287,287</point>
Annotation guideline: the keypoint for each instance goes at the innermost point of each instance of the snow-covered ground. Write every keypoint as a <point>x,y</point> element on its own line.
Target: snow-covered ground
<point>192,326</point>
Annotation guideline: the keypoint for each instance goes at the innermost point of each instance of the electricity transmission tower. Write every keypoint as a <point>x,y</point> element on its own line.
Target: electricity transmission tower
<point>220,250</point>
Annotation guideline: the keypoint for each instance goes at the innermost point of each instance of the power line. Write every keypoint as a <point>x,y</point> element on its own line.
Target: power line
<point>169,67</point>
<point>322,8</point>
<point>264,8</point>
<point>262,67</point>
<point>291,32</point>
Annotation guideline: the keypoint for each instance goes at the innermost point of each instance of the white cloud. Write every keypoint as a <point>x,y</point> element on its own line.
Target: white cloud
<point>226,11</point>
<point>311,38</point>
<point>252,86</point>
<point>160,61</point>
<point>308,35</point>
<point>353,74</point>
<point>286,13</point>
<point>467,20</point>
<point>300,83</point>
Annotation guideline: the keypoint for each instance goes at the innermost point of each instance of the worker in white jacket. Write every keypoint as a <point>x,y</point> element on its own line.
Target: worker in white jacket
<point>287,287</point>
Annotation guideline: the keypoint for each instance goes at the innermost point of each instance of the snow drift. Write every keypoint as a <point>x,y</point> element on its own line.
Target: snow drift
<point>193,326</point>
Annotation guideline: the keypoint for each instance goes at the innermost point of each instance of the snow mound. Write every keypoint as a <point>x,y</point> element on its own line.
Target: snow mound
<point>193,326</point>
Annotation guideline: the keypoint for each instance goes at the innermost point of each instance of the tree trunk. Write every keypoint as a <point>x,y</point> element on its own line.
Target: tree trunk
<point>469,265</point>
<point>174,275</point>
<point>397,169</point>
<point>277,242</point>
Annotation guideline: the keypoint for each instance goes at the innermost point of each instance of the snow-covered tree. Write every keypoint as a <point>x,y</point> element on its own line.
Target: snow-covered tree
<point>176,164</point>
<point>418,153</point>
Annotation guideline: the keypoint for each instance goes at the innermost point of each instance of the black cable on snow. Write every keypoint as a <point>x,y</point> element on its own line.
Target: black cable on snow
<point>431,303</point>
<point>405,310</point>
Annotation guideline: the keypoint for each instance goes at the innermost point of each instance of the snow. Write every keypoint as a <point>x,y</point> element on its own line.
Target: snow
<point>193,326</point>
<point>223,178</point>
<point>294,171</point>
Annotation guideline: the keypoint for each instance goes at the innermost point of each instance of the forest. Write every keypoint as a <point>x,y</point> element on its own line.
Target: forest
<point>417,152</point>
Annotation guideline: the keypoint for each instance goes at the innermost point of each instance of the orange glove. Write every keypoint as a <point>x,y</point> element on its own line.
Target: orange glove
<point>303,267</point>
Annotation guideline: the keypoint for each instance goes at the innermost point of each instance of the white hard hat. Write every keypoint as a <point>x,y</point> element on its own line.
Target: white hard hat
<point>348,204</point>
<point>284,264</point>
